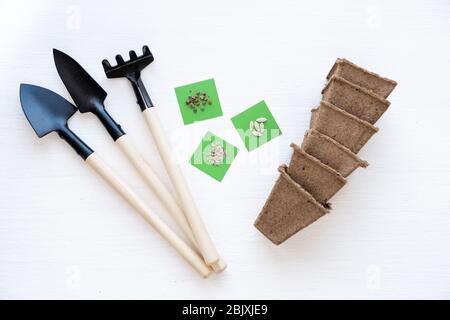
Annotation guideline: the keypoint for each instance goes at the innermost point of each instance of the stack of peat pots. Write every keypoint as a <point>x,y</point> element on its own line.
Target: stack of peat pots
<point>352,102</point>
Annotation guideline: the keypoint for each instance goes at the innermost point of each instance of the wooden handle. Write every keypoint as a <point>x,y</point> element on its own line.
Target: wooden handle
<point>204,241</point>
<point>96,163</point>
<point>152,180</point>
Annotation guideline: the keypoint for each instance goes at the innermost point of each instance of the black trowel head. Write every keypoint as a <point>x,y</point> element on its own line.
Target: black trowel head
<point>85,91</point>
<point>45,110</point>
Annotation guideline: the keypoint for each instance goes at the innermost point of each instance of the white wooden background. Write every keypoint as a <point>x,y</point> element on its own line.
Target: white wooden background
<point>65,234</point>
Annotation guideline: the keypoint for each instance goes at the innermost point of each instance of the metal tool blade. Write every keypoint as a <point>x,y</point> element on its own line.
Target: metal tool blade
<point>85,91</point>
<point>45,110</point>
<point>87,94</point>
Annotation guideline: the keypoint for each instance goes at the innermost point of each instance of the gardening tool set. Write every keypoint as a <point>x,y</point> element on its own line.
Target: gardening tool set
<point>352,102</point>
<point>47,112</point>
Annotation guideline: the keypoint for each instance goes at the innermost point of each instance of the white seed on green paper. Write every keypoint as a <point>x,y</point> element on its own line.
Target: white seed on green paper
<point>216,154</point>
<point>261,127</point>
<point>257,127</point>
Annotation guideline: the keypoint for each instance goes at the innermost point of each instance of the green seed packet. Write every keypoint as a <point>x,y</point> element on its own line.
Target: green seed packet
<point>214,156</point>
<point>248,124</point>
<point>206,109</point>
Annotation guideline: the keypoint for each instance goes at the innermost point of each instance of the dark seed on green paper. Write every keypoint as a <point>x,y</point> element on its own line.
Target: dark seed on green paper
<point>198,100</point>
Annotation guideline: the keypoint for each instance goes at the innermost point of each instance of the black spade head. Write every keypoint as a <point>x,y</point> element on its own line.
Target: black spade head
<point>85,91</point>
<point>45,110</point>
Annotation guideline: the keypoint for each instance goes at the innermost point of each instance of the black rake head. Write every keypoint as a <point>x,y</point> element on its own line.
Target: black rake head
<point>130,69</point>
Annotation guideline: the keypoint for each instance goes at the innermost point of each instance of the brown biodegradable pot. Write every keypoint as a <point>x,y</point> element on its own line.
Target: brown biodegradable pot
<point>288,209</point>
<point>369,80</point>
<point>320,180</point>
<point>341,126</point>
<point>331,153</point>
<point>354,99</point>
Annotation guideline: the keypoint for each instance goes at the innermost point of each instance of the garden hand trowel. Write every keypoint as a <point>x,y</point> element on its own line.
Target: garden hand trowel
<point>89,97</point>
<point>131,70</point>
<point>46,111</point>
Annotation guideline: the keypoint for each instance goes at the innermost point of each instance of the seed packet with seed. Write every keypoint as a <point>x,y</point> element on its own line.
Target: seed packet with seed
<point>198,101</point>
<point>256,126</point>
<point>214,156</point>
